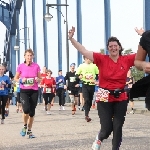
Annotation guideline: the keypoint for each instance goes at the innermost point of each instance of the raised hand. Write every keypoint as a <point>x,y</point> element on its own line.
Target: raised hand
<point>71,32</point>
<point>139,31</point>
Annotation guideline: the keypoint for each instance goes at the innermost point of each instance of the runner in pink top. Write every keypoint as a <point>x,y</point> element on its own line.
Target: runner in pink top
<point>28,75</point>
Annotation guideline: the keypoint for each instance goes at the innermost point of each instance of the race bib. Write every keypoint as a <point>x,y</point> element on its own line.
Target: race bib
<point>1,87</point>
<point>72,79</point>
<point>61,85</point>
<point>102,95</point>
<point>89,76</point>
<point>29,82</point>
<point>48,90</point>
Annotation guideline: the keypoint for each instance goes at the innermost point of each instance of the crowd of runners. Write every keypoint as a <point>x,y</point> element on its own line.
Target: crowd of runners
<point>102,82</point>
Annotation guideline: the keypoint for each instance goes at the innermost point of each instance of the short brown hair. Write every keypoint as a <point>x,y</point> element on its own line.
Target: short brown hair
<point>49,71</point>
<point>29,51</point>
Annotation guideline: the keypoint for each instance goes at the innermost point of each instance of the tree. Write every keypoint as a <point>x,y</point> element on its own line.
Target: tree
<point>128,51</point>
<point>102,51</point>
<point>137,74</point>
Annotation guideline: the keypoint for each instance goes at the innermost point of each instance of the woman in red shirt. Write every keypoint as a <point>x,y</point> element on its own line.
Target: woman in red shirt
<point>48,84</point>
<point>112,99</point>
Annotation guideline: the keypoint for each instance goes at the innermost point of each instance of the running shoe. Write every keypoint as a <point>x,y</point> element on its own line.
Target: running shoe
<point>88,119</point>
<point>23,131</point>
<point>96,145</point>
<point>2,121</point>
<point>29,133</point>
<point>48,112</point>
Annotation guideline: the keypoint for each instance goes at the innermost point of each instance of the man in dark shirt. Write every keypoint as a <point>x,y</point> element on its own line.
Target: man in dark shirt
<point>72,87</point>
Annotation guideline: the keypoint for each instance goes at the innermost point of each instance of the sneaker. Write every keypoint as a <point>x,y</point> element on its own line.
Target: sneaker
<point>2,121</point>
<point>82,109</point>
<point>60,108</point>
<point>23,131</point>
<point>6,113</point>
<point>48,112</point>
<point>63,108</point>
<point>132,112</point>
<point>96,145</point>
<point>30,135</point>
<point>79,107</point>
<point>88,119</point>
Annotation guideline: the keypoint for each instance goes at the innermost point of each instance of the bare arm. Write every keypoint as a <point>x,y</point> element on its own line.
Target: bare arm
<point>16,78</point>
<point>78,46</point>
<point>140,58</point>
<point>82,49</point>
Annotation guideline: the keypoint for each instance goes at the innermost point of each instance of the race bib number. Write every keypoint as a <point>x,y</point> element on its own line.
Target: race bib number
<point>61,85</point>
<point>102,95</point>
<point>48,90</point>
<point>89,77</point>
<point>1,87</point>
<point>29,82</point>
<point>72,79</point>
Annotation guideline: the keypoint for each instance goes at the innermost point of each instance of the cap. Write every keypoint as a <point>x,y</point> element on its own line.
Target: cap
<point>72,64</point>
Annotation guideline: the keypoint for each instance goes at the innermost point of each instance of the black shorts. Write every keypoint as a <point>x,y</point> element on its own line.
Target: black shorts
<point>80,89</point>
<point>128,95</point>
<point>48,97</point>
<point>10,96</point>
<point>74,91</point>
<point>18,97</point>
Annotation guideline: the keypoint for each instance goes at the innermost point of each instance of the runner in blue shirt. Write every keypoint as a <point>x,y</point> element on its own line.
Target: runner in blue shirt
<point>5,84</point>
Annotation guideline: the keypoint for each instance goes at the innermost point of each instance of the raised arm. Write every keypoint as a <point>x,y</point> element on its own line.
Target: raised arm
<point>88,54</point>
<point>143,50</point>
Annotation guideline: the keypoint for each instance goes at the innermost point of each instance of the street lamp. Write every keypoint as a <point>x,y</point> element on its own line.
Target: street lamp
<point>48,17</point>
<point>17,47</point>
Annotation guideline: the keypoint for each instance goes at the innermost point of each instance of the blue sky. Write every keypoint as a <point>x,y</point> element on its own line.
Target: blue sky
<point>125,15</point>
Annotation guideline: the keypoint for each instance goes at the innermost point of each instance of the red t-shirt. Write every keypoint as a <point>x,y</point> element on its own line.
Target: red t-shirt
<point>48,83</point>
<point>112,74</point>
<point>43,75</point>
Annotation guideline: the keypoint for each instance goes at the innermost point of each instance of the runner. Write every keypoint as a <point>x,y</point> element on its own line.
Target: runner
<point>142,87</point>
<point>4,85</point>
<point>88,72</point>
<point>28,75</point>
<point>9,101</point>
<point>95,93</point>
<point>73,87</point>
<point>60,89</point>
<point>18,102</point>
<point>48,83</point>
<point>128,86</point>
<point>112,99</point>
<point>40,89</point>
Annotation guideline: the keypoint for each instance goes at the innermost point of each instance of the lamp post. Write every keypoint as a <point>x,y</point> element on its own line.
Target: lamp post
<point>48,18</point>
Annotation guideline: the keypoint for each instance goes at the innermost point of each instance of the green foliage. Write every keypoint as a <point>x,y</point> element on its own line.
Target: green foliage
<point>102,51</point>
<point>137,74</point>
